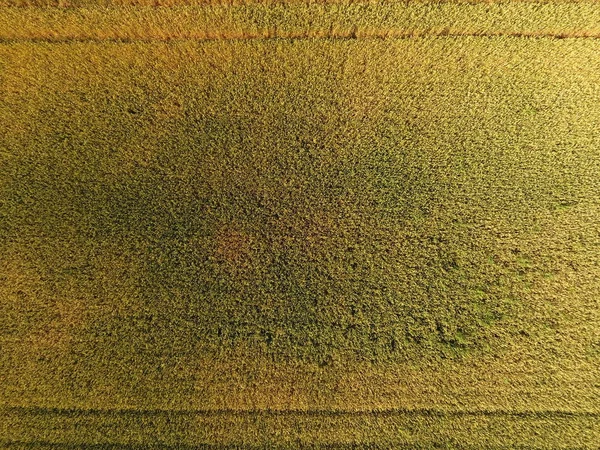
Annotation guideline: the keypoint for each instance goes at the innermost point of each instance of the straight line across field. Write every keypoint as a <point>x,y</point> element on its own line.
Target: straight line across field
<point>291,36</point>
<point>291,412</point>
<point>302,21</point>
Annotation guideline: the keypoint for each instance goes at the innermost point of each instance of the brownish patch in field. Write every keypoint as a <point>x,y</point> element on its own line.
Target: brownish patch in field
<point>233,247</point>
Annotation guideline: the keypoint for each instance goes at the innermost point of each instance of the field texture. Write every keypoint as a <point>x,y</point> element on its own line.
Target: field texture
<point>299,224</point>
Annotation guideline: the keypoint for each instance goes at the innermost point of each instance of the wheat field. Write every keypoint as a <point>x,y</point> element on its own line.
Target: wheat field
<point>294,224</point>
